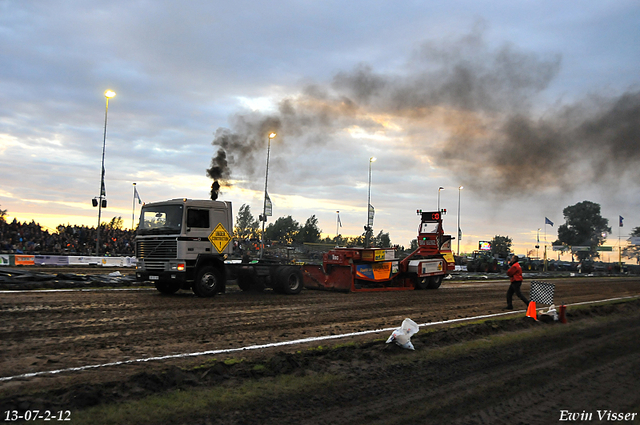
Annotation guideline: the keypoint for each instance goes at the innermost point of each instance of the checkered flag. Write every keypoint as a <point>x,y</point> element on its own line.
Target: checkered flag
<point>542,292</point>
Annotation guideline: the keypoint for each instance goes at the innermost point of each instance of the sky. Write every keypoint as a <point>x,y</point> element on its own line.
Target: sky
<point>530,106</point>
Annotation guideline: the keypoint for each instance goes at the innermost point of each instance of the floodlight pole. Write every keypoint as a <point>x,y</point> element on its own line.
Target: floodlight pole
<point>107,94</point>
<point>459,233</point>
<point>264,205</point>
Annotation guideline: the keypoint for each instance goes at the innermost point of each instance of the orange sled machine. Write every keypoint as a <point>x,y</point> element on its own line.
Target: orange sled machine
<point>377,269</point>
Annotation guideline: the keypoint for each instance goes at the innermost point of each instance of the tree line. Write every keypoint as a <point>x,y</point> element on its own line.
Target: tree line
<point>584,226</point>
<point>287,231</point>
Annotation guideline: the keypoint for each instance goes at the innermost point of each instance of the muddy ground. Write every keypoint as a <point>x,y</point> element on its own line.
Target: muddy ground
<point>498,371</point>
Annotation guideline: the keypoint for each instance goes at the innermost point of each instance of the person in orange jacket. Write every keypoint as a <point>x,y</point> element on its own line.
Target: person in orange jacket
<point>515,275</point>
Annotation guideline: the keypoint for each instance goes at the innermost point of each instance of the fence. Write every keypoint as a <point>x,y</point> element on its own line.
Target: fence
<point>65,260</point>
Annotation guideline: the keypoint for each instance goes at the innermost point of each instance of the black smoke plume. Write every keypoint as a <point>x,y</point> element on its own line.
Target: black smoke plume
<point>478,99</point>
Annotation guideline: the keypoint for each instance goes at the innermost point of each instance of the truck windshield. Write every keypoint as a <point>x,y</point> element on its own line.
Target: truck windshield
<point>160,219</point>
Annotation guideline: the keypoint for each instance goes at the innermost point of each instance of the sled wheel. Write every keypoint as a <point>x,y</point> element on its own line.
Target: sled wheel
<point>420,282</point>
<point>435,282</point>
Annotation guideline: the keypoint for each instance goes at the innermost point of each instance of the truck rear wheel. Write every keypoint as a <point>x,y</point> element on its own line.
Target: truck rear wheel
<point>289,280</point>
<point>246,280</point>
<point>208,282</point>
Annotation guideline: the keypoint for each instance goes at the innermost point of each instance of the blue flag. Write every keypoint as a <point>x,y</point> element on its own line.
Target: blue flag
<point>547,221</point>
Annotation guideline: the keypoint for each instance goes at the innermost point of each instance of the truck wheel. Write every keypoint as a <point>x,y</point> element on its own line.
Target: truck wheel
<point>167,288</point>
<point>246,280</point>
<point>208,282</point>
<point>420,282</point>
<point>289,280</point>
<point>435,282</point>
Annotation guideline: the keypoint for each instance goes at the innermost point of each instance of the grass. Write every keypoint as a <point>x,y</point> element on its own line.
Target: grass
<point>184,405</point>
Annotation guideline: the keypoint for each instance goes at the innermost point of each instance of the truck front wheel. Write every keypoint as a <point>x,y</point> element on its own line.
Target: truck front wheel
<point>167,288</point>
<point>208,282</point>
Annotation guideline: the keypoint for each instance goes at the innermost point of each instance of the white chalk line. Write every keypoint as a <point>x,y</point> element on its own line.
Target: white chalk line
<point>277,344</point>
<point>9,291</point>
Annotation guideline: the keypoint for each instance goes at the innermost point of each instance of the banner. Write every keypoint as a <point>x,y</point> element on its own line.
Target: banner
<point>372,212</point>
<point>4,260</point>
<point>580,248</point>
<point>51,260</point>
<point>268,209</point>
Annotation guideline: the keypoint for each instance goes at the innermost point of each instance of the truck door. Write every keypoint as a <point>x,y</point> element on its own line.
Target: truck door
<point>199,226</point>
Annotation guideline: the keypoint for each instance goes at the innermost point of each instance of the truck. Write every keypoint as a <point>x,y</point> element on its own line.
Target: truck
<point>374,269</point>
<point>186,244</point>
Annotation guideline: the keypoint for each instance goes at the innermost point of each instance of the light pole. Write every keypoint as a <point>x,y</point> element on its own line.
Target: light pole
<point>459,232</point>
<point>266,180</point>
<point>369,218</point>
<point>439,189</point>
<point>108,95</point>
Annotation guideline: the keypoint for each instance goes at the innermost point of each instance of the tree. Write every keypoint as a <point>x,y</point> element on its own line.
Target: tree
<point>246,225</point>
<point>3,213</point>
<point>310,231</point>
<point>283,230</point>
<point>584,226</point>
<point>382,240</point>
<point>633,251</point>
<point>414,245</point>
<point>501,246</point>
<point>115,224</point>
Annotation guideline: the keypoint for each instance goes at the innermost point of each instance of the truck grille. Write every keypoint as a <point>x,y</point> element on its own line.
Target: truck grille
<point>154,266</point>
<point>157,248</point>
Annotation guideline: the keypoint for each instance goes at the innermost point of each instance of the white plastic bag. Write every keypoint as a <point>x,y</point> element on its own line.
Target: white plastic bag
<point>402,335</point>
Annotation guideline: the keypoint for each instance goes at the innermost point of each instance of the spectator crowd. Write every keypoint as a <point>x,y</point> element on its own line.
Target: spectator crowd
<point>31,238</point>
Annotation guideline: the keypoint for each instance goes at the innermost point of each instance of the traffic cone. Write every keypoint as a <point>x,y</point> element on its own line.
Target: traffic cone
<point>531,310</point>
<point>563,310</point>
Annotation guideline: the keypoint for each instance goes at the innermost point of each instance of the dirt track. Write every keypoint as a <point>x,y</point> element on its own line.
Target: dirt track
<point>44,331</point>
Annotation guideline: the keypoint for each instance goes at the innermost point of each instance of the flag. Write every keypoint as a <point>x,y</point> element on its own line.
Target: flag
<point>542,292</point>
<point>547,221</point>
<point>621,218</point>
<point>136,195</point>
<point>339,221</point>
